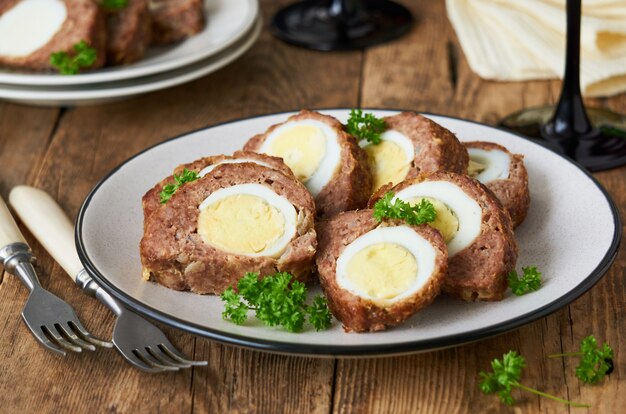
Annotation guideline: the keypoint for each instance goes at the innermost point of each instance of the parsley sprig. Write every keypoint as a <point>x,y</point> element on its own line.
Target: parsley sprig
<point>169,189</point>
<point>84,56</point>
<point>420,213</point>
<point>529,282</point>
<point>113,4</point>
<point>506,375</point>
<point>277,301</point>
<point>365,126</point>
<point>595,361</point>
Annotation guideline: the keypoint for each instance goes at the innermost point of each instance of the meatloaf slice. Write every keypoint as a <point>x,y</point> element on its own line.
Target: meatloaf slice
<point>359,313</point>
<point>129,32</point>
<point>478,271</point>
<point>84,21</point>
<point>512,191</point>
<point>174,20</point>
<point>175,255</point>
<point>349,186</point>
<point>151,200</point>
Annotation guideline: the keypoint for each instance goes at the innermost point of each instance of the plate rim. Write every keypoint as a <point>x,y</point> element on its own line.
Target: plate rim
<point>330,350</point>
<point>47,79</point>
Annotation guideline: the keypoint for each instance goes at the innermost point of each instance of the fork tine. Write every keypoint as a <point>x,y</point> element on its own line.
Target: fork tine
<point>68,334</point>
<point>153,362</point>
<point>162,357</point>
<point>177,356</point>
<point>50,333</point>
<point>139,363</point>
<point>41,336</point>
<point>84,334</point>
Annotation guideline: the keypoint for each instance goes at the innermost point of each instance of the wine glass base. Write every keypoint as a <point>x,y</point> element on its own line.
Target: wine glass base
<point>604,150</point>
<point>310,25</point>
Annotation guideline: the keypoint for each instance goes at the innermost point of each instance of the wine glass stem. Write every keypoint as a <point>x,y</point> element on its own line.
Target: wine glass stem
<point>570,119</point>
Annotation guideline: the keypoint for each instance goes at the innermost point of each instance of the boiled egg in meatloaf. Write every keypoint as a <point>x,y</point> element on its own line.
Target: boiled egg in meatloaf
<point>247,219</point>
<point>322,156</point>
<point>478,231</point>
<point>391,159</point>
<point>377,275</point>
<point>503,173</point>
<point>238,218</point>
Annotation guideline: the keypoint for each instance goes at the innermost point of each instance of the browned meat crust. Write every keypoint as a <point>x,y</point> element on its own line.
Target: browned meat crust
<point>437,149</point>
<point>350,188</point>
<point>174,20</point>
<point>356,313</point>
<point>129,32</point>
<point>513,192</point>
<point>478,272</point>
<point>151,200</point>
<point>174,255</point>
<point>85,21</point>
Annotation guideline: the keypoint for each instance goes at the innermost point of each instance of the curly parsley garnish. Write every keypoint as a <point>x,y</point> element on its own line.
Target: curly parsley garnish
<point>365,126</point>
<point>506,376</point>
<point>595,362</point>
<point>113,4</point>
<point>275,302</point>
<point>84,56</point>
<point>530,281</point>
<point>420,213</point>
<point>169,189</point>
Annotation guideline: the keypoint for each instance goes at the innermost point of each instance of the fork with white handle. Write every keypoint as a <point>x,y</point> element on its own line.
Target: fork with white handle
<point>51,320</point>
<point>142,344</point>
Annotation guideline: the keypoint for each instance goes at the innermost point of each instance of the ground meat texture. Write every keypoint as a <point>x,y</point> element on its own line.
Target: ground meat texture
<point>175,20</point>
<point>436,148</point>
<point>513,192</point>
<point>129,31</point>
<point>480,271</point>
<point>360,314</point>
<point>85,21</point>
<point>350,187</point>
<point>151,200</point>
<point>174,255</point>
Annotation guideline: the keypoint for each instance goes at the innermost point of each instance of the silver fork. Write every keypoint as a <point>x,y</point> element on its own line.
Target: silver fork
<point>51,320</point>
<point>141,343</point>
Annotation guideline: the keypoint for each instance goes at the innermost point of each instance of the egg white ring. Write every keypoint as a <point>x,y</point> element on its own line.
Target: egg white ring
<point>466,209</point>
<point>29,25</point>
<point>329,162</point>
<point>421,249</point>
<point>211,167</point>
<point>497,164</point>
<point>273,199</point>
<point>397,138</point>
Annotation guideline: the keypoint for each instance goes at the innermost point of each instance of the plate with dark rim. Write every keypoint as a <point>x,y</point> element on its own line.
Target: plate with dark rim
<point>572,248</point>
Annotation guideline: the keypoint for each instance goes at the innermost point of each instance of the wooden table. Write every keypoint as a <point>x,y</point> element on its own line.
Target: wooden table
<point>66,151</point>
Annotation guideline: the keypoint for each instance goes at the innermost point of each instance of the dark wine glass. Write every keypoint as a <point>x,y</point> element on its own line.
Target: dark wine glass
<point>341,24</point>
<point>595,138</point>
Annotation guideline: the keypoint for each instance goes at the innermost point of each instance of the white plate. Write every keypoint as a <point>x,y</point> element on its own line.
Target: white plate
<point>571,234</point>
<point>227,22</point>
<point>98,93</point>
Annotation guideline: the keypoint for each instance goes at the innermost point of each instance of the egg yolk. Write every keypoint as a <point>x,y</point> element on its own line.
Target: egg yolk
<point>302,147</point>
<point>446,222</point>
<point>382,270</point>
<point>388,163</point>
<point>242,223</point>
<point>475,167</point>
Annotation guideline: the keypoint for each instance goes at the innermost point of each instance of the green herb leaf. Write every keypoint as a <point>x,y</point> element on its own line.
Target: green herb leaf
<point>530,282</point>
<point>506,375</point>
<point>365,126</point>
<point>420,213</point>
<point>596,362</point>
<point>277,301</point>
<point>169,189</point>
<point>84,56</point>
<point>113,4</point>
